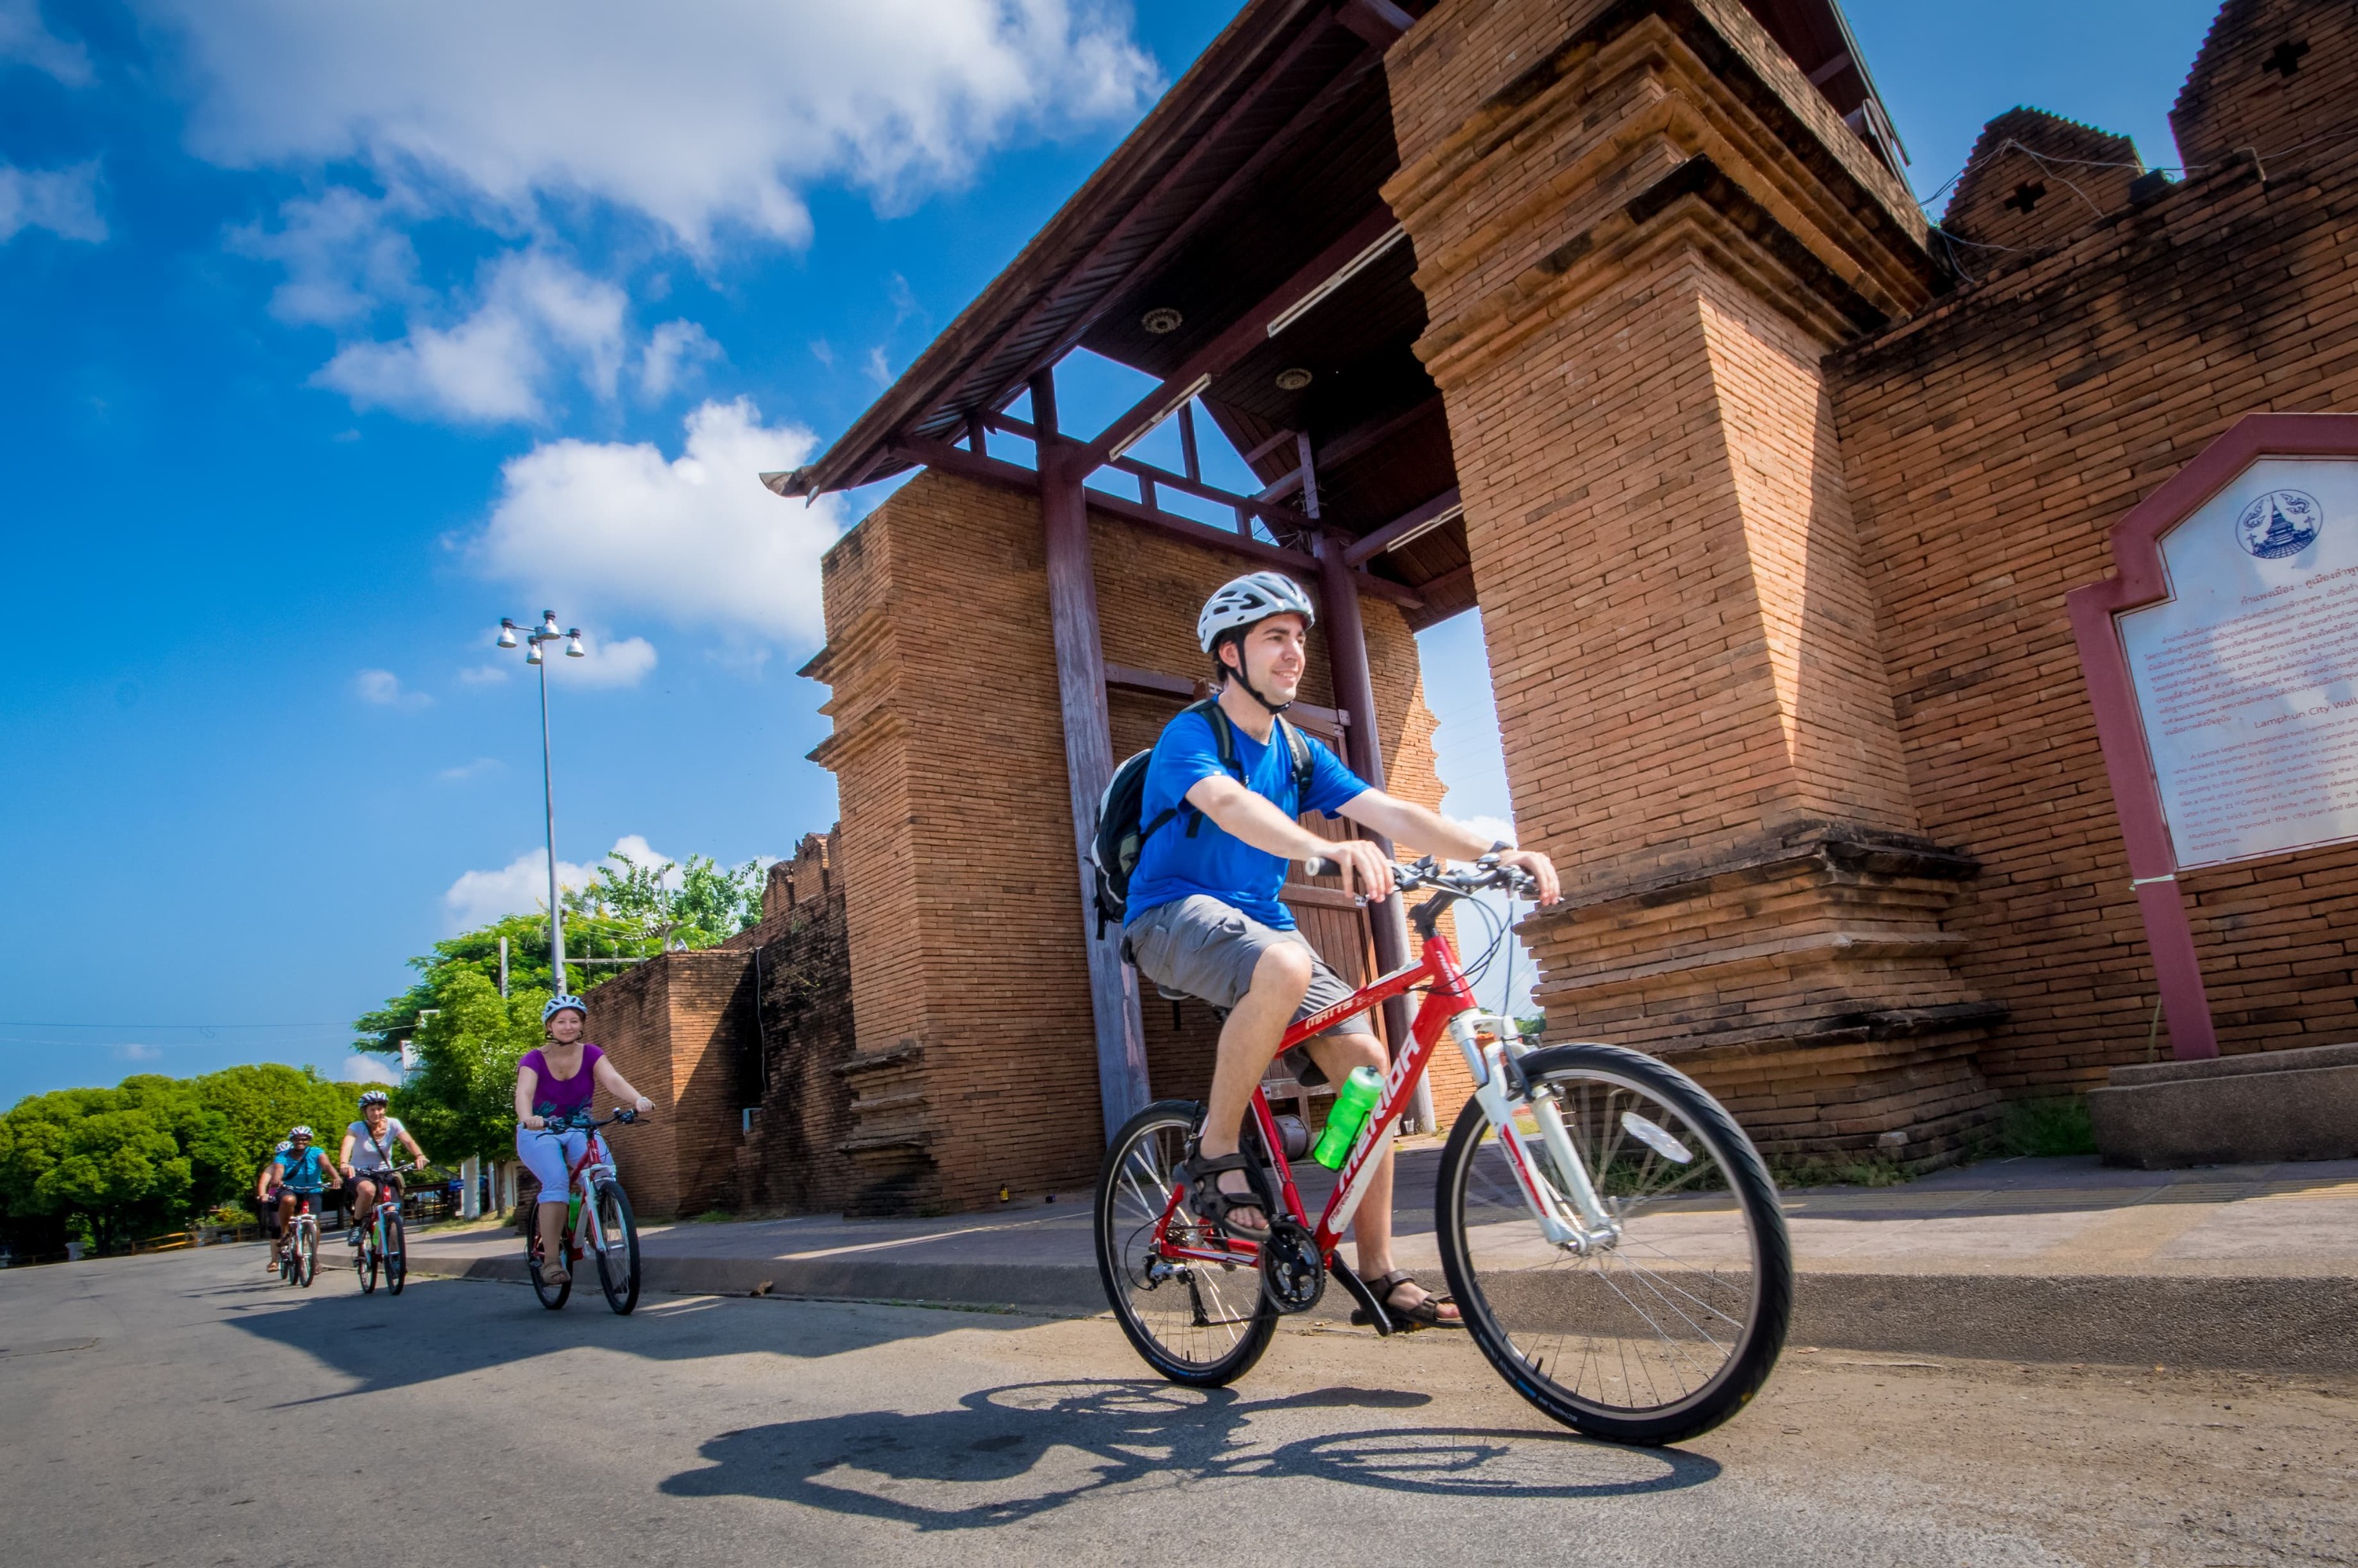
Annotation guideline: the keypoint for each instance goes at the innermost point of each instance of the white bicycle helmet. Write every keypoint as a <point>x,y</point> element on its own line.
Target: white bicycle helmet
<point>1249,600</point>
<point>284,1148</point>
<point>298,1132</point>
<point>559,1002</point>
<point>374,1096</point>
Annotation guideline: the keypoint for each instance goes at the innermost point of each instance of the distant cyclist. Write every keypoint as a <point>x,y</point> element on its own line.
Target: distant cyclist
<point>366,1158</point>
<point>555,1080</point>
<point>266,1204</point>
<point>1204,918</point>
<point>303,1172</point>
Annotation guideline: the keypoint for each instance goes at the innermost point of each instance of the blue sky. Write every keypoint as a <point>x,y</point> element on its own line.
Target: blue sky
<point>333,335</point>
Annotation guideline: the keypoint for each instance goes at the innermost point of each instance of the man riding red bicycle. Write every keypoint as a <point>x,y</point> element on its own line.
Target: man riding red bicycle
<point>1223,794</point>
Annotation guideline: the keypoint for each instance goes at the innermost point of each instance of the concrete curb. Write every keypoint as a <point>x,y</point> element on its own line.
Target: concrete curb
<point>2238,1323</point>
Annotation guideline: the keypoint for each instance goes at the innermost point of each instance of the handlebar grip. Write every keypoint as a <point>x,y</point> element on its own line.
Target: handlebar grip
<point>1320,866</point>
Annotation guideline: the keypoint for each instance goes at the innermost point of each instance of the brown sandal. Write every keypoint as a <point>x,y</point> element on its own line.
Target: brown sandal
<point>1425,1313</point>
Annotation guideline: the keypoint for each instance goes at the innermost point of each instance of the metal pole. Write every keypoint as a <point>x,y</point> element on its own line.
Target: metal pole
<point>548,800</point>
<point>503,968</point>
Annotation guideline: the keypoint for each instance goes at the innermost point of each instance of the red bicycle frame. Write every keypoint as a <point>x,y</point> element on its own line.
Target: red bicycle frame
<point>1449,996</point>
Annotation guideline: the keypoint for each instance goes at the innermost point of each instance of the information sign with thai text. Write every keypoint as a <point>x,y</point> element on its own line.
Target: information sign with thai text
<point>2246,677</point>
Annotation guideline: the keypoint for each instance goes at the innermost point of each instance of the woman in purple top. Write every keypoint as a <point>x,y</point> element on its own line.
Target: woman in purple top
<point>553,1081</point>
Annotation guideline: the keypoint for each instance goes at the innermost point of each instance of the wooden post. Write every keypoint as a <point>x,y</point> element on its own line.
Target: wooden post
<point>1088,751</point>
<point>1354,692</point>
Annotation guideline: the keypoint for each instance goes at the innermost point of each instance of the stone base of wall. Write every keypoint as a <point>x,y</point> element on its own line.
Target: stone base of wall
<point>1804,978</point>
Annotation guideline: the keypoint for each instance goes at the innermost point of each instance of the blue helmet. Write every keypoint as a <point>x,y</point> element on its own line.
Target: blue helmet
<point>559,1002</point>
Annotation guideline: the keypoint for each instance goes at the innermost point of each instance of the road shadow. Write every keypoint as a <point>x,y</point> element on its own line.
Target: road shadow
<point>1027,1449</point>
<point>467,1326</point>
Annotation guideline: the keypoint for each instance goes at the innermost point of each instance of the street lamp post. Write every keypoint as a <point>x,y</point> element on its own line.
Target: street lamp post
<point>546,632</point>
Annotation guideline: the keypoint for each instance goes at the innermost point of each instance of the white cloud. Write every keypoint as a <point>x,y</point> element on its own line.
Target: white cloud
<point>1491,828</point>
<point>494,365</point>
<point>608,662</point>
<point>384,688</point>
<point>484,674</point>
<point>880,370</point>
<point>23,37</point>
<point>521,887</point>
<point>696,116</point>
<point>345,254</point>
<point>677,350</point>
<point>475,769</point>
<point>140,1052</point>
<point>360,1067</point>
<point>614,528</point>
<point>63,201</point>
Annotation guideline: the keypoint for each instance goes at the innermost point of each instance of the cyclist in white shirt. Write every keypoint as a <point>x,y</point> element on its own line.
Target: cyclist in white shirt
<point>366,1159</point>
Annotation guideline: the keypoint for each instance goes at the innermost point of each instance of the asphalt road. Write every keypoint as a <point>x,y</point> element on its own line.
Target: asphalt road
<point>185,1410</point>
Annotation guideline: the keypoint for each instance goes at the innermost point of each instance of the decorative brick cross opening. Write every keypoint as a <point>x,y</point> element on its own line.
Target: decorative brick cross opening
<point>2287,57</point>
<point>2026,195</point>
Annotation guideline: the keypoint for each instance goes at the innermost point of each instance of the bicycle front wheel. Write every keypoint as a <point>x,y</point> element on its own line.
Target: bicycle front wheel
<point>1200,1324</point>
<point>396,1256</point>
<point>1660,1334</point>
<point>364,1265</point>
<point>617,1257</point>
<point>307,1257</point>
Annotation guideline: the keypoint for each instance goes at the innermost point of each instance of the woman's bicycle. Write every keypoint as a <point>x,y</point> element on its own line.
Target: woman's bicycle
<point>298,1248</point>
<point>382,1244</point>
<point>598,1220</point>
<point>1611,1236</point>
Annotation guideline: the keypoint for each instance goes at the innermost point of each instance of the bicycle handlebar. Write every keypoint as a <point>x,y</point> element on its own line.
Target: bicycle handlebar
<point>582,1121</point>
<point>1427,873</point>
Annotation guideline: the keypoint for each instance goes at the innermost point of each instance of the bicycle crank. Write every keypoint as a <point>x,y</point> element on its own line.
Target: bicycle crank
<point>1292,1273</point>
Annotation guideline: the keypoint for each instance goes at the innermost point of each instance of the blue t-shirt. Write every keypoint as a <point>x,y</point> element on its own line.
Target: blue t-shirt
<point>1173,866</point>
<point>308,1175</point>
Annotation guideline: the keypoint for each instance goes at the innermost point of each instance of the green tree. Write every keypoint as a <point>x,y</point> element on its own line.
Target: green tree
<point>114,1166</point>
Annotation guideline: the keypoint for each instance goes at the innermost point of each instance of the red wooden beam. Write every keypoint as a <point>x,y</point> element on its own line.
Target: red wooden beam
<point>1243,335</point>
<point>1379,22</point>
<point>1406,527</point>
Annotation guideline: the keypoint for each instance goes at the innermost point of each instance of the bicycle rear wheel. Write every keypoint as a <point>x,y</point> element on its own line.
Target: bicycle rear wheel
<point>364,1265</point>
<point>1661,1335</point>
<point>306,1257</point>
<point>1200,1324</point>
<point>617,1260</point>
<point>396,1256</point>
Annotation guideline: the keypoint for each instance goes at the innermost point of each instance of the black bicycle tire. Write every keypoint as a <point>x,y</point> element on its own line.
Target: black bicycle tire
<point>396,1256</point>
<point>551,1296</point>
<point>1746,1371</point>
<point>628,1297</point>
<point>1258,1332</point>
<point>364,1265</point>
<point>307,1257</point>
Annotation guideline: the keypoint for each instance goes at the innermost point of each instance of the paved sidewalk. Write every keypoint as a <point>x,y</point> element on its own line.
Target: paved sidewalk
<point>2026,1260</point>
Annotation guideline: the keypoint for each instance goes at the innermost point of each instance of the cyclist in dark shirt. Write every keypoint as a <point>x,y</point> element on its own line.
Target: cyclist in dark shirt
<point>1203,917</point>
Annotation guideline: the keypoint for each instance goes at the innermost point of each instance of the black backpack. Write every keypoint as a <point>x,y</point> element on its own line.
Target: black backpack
<point>1122,837</point>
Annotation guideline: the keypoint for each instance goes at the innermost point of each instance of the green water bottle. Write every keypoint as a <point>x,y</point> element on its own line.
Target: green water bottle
<point>1352,1102</point>
<point>572,1212</point>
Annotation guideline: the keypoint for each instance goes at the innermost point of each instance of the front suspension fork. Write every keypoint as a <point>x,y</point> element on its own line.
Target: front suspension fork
<point>1571,1215</point>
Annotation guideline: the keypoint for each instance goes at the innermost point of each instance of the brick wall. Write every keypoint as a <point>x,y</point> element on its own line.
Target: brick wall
<point>1990,444</point>
<point>673,1026</point>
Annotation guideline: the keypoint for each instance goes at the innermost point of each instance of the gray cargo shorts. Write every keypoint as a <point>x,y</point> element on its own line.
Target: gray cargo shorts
<point>1199,946</point>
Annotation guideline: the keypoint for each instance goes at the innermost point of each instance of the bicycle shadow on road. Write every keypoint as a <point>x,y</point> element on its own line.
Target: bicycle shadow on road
<point>1019,1451</point>
<point>465,1327</point>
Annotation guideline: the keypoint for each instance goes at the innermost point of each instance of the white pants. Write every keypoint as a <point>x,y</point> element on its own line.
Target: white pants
<point>550,1156</point>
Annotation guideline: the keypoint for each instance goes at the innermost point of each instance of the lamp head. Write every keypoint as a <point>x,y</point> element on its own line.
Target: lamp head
<point>548,625</point>
<point>532,657</point>
<point>507,632</point>
<point>573,648</point>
